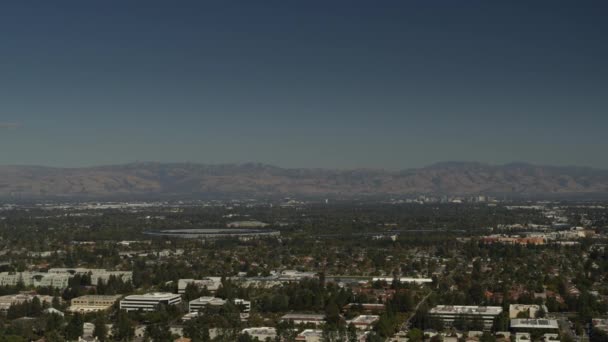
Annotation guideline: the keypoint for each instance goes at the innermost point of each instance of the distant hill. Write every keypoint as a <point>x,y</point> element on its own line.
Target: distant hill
<point>184,179</point>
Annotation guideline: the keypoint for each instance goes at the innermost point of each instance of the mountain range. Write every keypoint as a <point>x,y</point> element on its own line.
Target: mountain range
<point>260,180</point>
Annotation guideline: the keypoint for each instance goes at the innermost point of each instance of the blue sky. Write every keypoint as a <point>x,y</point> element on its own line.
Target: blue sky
<point>340,84</point>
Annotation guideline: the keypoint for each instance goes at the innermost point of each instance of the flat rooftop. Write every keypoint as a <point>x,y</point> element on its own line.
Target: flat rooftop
<point>365,319</point>
<point>208,301</point>
<point>153,296</point>
<point>466,310</point>
<point>302,317</point>
<point>523,323</point>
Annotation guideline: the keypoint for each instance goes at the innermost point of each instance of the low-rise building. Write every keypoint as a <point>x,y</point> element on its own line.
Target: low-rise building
<point>551,337</point>
<point>7,301</point>
<point>523,337</point>
<point>298,318</point>
<point>92,303</point>
<point>448,313</point>
<point>198,304</point>
<point>149,301</point>
<point>244,305</point>
<point>408,280</point>
<point>364,322</point>
<point>528,310</point>
<point>528,325</point>
<point>35,279</point>
<point>211,283</point>
<point>97,274</point>
<point>367,307</point>
<point>600,324</point>
<point>261,333</point>
<point>310,335</point>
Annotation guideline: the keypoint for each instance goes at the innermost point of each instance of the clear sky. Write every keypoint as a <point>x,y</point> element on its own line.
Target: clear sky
<point>339,84</point>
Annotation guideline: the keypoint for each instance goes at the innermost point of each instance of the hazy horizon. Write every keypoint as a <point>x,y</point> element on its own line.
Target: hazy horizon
<point>311,167</point>
<point>344,85</point>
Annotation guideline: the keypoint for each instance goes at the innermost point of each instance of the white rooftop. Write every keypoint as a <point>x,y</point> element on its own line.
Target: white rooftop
<point>152,296</point>
<point>541,323</point>
<point>466,310</point>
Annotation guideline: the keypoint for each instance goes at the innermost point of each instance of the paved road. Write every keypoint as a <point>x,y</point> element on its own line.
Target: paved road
<point>405,326</point>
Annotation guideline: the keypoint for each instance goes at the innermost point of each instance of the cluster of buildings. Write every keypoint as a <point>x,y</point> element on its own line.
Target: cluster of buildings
<point>9,300</point>
<point>539,238</point>
<point>59,277</point>
<point>199,304</point>
<point>275,278</point>
<point>523,318</point>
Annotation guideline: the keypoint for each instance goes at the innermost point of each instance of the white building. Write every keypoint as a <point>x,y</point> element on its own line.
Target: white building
<point>310,335</point>
<point>534,324</point>
<point>448,313</point>
<point>211,283</point>
<point>198,304</point>
<point>389,280</point>
<point>36,279</point>
<point>531,310</point>
<point>9,300</point>
<point>244,304</point>
<point>523,337</point>
<point>96,274</point>
<point>364,322</point>
<point>261,333</point>
<point>298,318</point>
<point>149,301</point>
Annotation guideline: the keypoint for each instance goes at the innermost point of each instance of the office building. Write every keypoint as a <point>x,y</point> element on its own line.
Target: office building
<point>211,283</point>
<point>448,313</point>
<point>149,301</point>
<point>92,303</point>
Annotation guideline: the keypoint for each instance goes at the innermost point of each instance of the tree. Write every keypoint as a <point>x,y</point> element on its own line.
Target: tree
<point>352,333</point>
<point>123,329</point>
<point>101,330</point>
<point>36,307</point>
<point>53,322</point>
<point>158,332</point>
<point>74,328</point>
<point>598,335</point>
<point>53,336</point>
<point>415,335</point>
<point>332,314</point>
<point>56,304</point>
